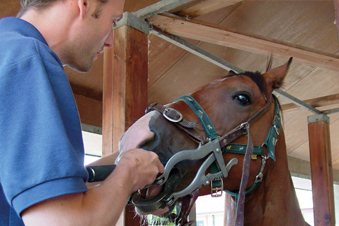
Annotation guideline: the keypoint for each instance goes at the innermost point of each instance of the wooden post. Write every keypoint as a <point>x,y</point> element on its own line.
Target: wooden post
<point>229,210</point>
<point>125,91</point>
<point>321,170</point>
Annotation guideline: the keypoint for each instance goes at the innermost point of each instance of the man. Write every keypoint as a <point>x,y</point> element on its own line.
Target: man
<point>42,178</point>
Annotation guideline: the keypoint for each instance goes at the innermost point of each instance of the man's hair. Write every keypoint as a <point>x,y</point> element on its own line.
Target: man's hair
<point>43,4</point>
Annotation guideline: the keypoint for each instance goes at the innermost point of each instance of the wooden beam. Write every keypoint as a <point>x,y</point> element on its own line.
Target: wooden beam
<point>336,7</point>
<point>215,34</point>
<point>124,92</point>
<point>90,110</point>
<point>9,8</point>
<point>321,170</point>
<point>316,102</point>
<point>301,168</point>
<point>296,101</point>
<point>159,7</point>
<point>204,7</point>
<point>196,50</point>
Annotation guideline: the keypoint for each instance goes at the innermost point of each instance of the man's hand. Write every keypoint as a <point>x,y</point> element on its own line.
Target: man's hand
<point>144,167</point>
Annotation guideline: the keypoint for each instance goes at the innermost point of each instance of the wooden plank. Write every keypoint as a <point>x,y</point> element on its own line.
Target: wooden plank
<point>132,5</point>
<point>196,50</point>
<point>315,102</point>
<point>90,110</point>
<point>9,8</point>
<point>230,210</point>
<point>215,34</point>
<point>295,101</point>
<point>159,7</point>
<point>321,170</point>
<point>204,7</point>
<point>125,92</point>
<point>301,168</point>
<point>336,6</point>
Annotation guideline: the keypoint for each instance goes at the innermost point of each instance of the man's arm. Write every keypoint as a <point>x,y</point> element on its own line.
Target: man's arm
<point>103,204</point>
<point>107,160</point>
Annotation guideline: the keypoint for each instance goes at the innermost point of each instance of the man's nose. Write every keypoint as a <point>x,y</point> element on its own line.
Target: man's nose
<point>109,40</point>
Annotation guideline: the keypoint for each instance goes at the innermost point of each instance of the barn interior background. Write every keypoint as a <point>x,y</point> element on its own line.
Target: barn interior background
<point>243,33</point>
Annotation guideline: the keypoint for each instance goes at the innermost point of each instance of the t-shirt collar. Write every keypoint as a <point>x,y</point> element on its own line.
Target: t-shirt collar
<point>21,26</point>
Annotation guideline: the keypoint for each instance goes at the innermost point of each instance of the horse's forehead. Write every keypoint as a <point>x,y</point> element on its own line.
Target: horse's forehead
<point>235,82</point>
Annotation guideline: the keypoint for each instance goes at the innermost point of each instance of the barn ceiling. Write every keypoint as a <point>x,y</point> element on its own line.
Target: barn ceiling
<point>243,33</point>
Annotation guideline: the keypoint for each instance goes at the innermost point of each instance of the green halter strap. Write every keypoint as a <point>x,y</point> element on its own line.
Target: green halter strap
<point>210,131</point>
<point>270,142</point>
<point>201,114</point>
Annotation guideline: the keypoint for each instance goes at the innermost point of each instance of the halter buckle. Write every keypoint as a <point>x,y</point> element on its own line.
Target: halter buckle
<point>216,191</point>
<point>167,115</point>
<point>259,177</point>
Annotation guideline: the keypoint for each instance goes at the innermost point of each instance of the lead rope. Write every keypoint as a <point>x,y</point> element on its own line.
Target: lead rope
<point>239,220</point>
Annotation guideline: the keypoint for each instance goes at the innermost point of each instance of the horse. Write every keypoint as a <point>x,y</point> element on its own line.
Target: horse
<point>224,136</point>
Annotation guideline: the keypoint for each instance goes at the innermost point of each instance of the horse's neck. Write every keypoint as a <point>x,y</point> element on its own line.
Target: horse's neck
<point>274,202</point>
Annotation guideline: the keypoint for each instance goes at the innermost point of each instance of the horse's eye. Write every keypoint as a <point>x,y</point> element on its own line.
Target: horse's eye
<point>243,98</point>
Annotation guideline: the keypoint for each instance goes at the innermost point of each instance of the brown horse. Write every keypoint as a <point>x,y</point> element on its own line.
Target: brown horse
<point>226,135</point>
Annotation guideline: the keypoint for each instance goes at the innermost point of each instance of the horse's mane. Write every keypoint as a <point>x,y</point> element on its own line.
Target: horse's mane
<point>256,77</point>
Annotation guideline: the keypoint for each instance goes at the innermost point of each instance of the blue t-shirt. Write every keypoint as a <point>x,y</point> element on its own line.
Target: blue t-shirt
<point>41,147</point>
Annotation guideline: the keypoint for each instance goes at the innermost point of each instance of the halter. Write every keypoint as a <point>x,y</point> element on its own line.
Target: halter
<point>248,150</point>
<point>214,149</point>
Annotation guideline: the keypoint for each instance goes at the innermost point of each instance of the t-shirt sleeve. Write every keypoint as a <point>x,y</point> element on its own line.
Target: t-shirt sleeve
<point>41,148</point>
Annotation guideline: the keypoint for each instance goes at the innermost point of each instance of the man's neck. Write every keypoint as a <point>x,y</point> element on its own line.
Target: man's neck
<point>53,23</point>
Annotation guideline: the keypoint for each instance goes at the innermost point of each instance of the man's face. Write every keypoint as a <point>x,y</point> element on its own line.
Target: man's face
<point>96,33</point>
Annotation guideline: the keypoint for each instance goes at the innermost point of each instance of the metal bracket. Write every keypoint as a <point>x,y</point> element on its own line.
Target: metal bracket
<point>318,118</point>
<point>133,21</point>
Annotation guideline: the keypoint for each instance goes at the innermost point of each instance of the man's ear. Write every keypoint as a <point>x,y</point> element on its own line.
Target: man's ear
<point>83,7</point>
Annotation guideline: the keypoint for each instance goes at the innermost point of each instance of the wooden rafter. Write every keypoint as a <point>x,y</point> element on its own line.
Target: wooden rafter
<point>215,34</point>
<point>336,6</point>
<point>159,7</point>
<point>316,102</point>
<point>204,7</point>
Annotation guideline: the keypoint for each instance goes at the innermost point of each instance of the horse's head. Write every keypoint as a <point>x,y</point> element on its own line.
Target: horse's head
<point>188,143</point>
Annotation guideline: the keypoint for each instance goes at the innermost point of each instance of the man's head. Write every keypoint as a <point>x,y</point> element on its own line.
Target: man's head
<point>41,4</point>
<point>85,27</point>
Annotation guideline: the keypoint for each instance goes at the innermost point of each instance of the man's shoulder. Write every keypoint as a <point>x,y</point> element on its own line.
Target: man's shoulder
<point>16,48</point>
<point>20,40</point>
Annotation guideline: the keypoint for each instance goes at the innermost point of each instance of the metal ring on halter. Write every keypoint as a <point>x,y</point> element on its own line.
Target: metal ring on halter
<point>172,119</point>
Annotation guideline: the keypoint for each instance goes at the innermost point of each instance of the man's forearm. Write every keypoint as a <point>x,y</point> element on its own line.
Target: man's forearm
<point>100,205</point>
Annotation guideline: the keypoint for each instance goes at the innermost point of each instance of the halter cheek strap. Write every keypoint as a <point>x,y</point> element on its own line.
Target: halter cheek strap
<point>205,121</point>
<point>270,142</point>
<point>211,132</point>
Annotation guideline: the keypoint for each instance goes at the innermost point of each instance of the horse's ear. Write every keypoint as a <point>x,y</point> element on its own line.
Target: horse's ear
<point>275,76</point>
